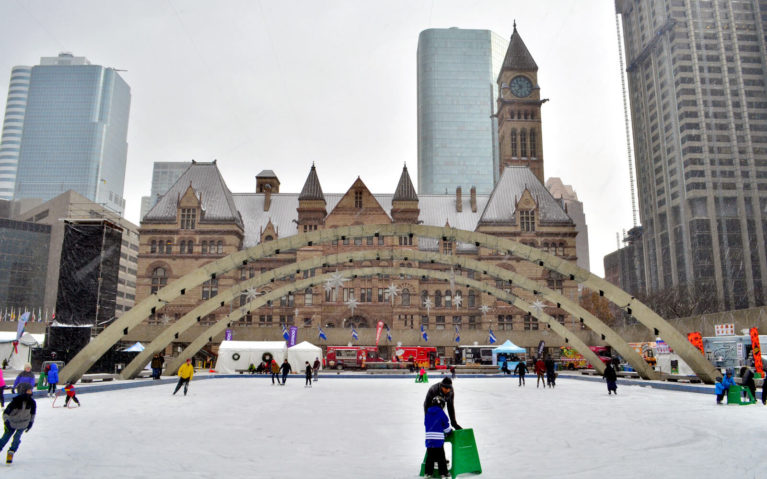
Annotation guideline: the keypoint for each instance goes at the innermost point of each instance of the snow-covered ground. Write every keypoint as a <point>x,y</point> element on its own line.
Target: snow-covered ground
<point>373,428</point>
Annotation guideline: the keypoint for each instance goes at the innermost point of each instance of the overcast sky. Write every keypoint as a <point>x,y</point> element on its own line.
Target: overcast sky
<point>279,85</point>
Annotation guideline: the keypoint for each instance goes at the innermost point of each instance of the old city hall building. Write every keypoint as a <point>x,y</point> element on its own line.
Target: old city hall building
<point>199,220</point>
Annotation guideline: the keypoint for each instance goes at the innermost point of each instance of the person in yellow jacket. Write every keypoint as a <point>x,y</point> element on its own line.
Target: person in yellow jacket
<point>185,373</point>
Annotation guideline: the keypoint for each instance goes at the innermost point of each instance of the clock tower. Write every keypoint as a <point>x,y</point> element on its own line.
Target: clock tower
<point>519,109</point>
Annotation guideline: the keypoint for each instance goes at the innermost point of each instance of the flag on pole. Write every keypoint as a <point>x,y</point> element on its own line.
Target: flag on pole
<point>388,333</point>
<point>354,334</point>
<point>457,335</point>
<point>20,330</point>
<point>423,333</point>
<point>492,336</point>
<point>322,334</point>
<point>285,333</point>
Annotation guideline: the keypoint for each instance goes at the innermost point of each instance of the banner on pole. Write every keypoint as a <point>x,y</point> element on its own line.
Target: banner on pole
<point>379,328</point>
<point>697,340</point>
<point>292,336</point>
<point>757,351</point>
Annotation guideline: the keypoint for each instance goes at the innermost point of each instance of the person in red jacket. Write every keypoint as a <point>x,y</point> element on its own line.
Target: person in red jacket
<point>540,370</point>
<point>70,390</point>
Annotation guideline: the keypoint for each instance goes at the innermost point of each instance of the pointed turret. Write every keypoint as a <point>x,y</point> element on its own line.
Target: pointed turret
<point>518,57</point>
<point>404,205</point>
<point>311,204</point>
<point>312,189</point>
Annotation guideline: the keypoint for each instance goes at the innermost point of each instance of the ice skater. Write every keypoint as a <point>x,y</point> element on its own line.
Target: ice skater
<point>421,375</point>
<point>185,373</point>
<point>2,389</point>
<point>71,395</point>
<point>540,369</point>
<point>286,369</point>
<point>316,368</point>
<point>18,417</point>
<point>24,377</point>
<point>53,379</point>
<point>157,362</point>
<point>747,380</point>
<point>521,370</point>
<point>551,373</point>
<point>723,386</point>
<point>612,379</point>
<point>275,369</point>
<point>452,371</point>
<point>308,383</point>
<point>443,389</point>
<point>437,426</point>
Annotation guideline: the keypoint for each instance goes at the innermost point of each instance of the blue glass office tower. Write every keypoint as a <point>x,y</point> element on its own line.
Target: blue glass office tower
<point>75,132</point>
<point>457,92</point>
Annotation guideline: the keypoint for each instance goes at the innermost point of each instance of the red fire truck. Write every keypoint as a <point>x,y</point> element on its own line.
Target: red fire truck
<point>423,356</point>
<point>350,357</point>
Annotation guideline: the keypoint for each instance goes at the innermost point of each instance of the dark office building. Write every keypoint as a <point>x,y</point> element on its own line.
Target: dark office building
<point>23,265</point>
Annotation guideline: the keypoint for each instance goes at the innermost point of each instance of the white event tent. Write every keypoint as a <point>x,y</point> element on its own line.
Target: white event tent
<point>27,342</point>
<point>236,355</point>
<point>302,352</point>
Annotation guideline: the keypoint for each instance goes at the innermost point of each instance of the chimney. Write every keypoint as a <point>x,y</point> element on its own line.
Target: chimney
<point>473,200</point>
<point>267,197</point>
<point>458,200</point>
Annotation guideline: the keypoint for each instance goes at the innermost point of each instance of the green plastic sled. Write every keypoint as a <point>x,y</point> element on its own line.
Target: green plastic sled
<point>735,396</point>
<point>465,457</point>
<point>41,382</point>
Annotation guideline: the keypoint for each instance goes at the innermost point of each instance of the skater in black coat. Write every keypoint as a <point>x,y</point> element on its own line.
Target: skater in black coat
<point>285,368</point>
<point>308,375</point>
<point>521,370</point>
<point>551,375</point>
<point>747,380</point>
<point>18,417</point>
<point>445,390</point>
<point>612,379</point>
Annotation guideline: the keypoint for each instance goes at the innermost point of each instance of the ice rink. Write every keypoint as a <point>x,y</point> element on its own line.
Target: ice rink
<point>345,427</point>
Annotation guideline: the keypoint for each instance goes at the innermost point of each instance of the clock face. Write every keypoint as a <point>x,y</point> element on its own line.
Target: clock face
<point>520,86</point>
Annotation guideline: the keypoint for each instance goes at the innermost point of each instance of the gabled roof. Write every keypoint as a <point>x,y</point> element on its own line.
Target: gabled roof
<point>507,192</point>
<point>266,174</point>
<point>405,190</point>
<point>312,189</point>
<point>205,178</point>
<point>517,55</point>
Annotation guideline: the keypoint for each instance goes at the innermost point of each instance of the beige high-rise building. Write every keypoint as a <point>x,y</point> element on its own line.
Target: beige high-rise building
<point>697,72</point>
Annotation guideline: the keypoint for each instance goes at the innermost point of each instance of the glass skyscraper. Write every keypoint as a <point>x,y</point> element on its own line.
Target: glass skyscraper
<point>457,92</point>
<point>696,73</point>
<point>74,133</point>
<point>164,175</point>
<point>10,140</point>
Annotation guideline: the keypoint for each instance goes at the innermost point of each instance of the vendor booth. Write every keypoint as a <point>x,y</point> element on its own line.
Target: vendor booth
<point>22,353</point>
<point>302,352</point>
<point>508,353</point>
<point>236,356</point>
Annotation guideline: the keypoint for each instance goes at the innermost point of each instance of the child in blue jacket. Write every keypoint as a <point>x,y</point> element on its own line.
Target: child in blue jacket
<point>723,385</point>
<point>437,425</point>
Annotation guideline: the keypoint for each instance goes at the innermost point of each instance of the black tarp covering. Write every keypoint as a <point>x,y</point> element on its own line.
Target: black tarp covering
<point>90,257</point>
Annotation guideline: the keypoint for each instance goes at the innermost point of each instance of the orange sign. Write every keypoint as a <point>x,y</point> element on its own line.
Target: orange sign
<point>697,340</point>
<point>757,351</point>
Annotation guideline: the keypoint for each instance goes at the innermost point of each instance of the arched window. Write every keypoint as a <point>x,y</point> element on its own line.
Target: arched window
<point>159,279</point>
<point>448,298</point>
<point>438,298</point>
<point>220,247</point>
<point>533,150</point>
<point>523,143</point>
<point>513,143</point>
<point>308,297</point>
<point>182,247</point>
<point>210,288</point>
<point>204,249</point>
<point>190,246</point>
<point>268,238</point>
<point>546,247</point>
<point>472,299</point>
<point>562,249</point>
<point>424,296</point>
<point>405,297</point>
<point>153,247</point>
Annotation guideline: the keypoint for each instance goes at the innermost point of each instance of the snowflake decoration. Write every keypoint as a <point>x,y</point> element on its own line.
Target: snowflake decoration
<point>352,304</point>
<point>251,294</point>
<point>392,291</point>
<point>485,309</point>
<point>165,319</point>
<point>335,281</point>
<point>427,304</point>
<point>458,300</point>
<point>295,313</point>
<point>538,306</point>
